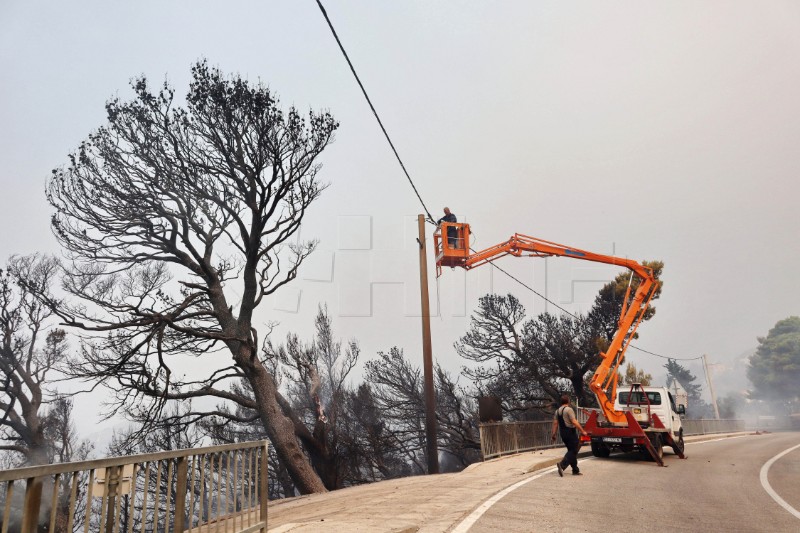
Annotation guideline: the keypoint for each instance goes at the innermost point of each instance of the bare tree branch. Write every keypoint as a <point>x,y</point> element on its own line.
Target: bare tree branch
<point>35,421</point>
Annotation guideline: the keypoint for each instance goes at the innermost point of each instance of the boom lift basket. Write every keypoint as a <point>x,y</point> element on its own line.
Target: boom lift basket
<point>451,245</point>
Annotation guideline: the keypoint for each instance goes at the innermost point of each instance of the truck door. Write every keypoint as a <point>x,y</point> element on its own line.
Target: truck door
<point>676,418</point>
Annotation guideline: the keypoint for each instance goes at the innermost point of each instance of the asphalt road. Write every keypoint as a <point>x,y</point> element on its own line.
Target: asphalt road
<point>717,488</point>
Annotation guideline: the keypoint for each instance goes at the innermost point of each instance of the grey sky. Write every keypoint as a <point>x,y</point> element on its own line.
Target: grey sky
<point>664,130</point>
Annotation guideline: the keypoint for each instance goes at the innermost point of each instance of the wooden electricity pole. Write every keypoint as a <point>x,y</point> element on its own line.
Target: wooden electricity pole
<point>427,355</point>
<point>711,387</point>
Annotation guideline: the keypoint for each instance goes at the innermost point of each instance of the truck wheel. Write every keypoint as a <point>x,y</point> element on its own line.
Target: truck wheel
<point>658,445</point>
<point>600,450</point>
<point>678,446</point>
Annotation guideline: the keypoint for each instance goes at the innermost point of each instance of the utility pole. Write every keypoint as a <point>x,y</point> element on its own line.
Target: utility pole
<point>711,387</point>
<point>427,354</point>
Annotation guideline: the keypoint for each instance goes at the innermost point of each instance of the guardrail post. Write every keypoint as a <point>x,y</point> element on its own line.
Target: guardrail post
<point>33,499</point>
<point>112,479</point>
<point>264,489</point>
<point>516,439</point>
<point>180,494</point>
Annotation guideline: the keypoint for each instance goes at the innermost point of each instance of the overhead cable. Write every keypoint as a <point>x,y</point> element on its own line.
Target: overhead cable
<point>540,295</point>
<point>374,112</point>
<point>666,356</point>
<point>422,202</point>
<point>573,315</point>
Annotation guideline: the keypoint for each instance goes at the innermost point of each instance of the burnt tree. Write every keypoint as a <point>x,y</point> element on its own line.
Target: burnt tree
<point>396,388</point>
<point>530,362</point>
<point>30,351</point>
<point>179,222</point>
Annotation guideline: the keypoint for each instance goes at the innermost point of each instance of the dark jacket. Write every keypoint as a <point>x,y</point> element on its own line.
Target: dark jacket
<point>447,218</point>
<point>452,232</point>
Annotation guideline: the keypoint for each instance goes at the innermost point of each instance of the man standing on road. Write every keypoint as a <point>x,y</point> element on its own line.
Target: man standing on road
<point>564,420</point>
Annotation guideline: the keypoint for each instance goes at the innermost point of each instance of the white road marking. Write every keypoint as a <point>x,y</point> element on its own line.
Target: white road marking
<point>475,515</point>
<point>469,521</point>
<point>717,440</point>
<point>768,487</point>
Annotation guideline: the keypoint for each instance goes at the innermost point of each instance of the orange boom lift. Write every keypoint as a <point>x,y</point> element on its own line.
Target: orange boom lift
<point>452,248</point>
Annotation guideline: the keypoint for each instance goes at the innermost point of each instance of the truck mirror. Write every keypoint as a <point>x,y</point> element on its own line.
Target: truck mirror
<point>681,409</point>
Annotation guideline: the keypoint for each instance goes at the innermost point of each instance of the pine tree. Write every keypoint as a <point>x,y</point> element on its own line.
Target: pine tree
<point>682,375</point>
<point>634,375</point>
<point>775,368</point>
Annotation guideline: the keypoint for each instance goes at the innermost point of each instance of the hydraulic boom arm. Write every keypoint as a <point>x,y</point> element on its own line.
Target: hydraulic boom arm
<point>451,243</point>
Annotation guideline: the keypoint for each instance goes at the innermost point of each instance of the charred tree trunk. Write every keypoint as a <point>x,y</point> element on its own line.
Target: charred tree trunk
<point>579,387</point>
<point>323,460</point>
<point>279,427</point>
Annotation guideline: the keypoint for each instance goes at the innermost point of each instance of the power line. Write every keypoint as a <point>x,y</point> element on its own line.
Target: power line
<point>422,202</point>
<point>540,295</point>
<point>666,356</point>
<point>573,315</point>
<point>372,107</point>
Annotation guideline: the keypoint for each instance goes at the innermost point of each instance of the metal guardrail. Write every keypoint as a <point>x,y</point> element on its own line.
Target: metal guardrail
<point>707,426</point>
<point>504,438</point>
<point>194,490</point>
<point>773,422</point>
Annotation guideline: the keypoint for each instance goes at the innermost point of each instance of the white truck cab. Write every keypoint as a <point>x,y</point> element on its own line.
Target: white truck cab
<point>643,402</point>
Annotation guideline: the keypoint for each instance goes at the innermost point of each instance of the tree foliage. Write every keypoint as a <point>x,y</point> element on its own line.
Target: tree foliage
<point>179,223</point>
<point>607,305</point>
<point>730,405</point>
<point>775,368</point>
<point>535,360</point>
<point>398,391</point>
<point>354,433</point>
<point>635,375</point>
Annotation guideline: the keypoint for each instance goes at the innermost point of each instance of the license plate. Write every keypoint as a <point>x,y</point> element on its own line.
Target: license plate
<point>613,439</point>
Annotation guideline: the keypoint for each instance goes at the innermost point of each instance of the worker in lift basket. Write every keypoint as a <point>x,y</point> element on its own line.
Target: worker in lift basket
<point>452,232</point>
<point>564,420</point>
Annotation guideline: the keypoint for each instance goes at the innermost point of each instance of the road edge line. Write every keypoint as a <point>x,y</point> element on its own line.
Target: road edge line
<point>767,487</point>
<point>475,515</point>
<point>717,439</point>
